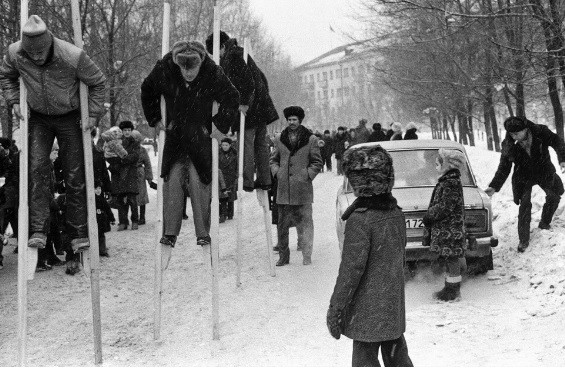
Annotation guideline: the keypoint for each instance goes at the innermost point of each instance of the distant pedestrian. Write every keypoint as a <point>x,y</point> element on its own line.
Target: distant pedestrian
<point>327,150</point>
<point>527,146</point>
<point>340,140</point>
<point>367,304</point>
<point>362,132</point>
<point>445,220</point>
<point>144,177</point>
<point>377,134</point>
<point>104,218</point>
<point>411,131</point>
<point>228,164</point>
<point>295,161</point>
<point>396,128</point>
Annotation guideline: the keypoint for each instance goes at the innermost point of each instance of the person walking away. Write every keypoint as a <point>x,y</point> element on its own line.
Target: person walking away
<point>445,221</point>
<point>377,134</point>
<point>257,105</point>
<point>228,164</point>
<point>396,128</point>
<point>341,138</point>
<point>527,147</point>
<point>411,131</point>
<point>104,218</point>
<point>362,132</point>
<point>295,161</point>
<point>51,70</point>
<point>190,82</point>
<point>144,176</point>
<point>327,150</point>
<point>367,304</point>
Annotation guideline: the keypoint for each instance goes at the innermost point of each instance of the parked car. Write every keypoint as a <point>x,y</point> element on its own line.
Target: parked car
<point>415,179</point>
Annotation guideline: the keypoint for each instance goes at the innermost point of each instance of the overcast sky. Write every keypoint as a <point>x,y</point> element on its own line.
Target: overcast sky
<point>303,26</point>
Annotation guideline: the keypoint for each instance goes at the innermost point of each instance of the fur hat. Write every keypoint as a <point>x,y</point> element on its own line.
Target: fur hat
<point>516,124</point>
<point>137,136</point>
<point>369,170</point>
<point>114,133</point>
<point>210,41</point>
<point>295,111</point>
<point>341,128</point>
<point>35,36</point>
<point>188,54</point>
<point>451,158</point>
<point>126,124</point>
<point>396,127</point>
<point>377,127</point>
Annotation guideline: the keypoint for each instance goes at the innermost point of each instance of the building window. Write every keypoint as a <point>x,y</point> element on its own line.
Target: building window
<point>325,74</point>
<point>331,74</point>
<point>332,93</point>
<point>346,72</point>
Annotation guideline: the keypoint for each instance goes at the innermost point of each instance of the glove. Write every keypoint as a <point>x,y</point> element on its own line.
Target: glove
<point>152,185</point>
<point>333,320</point>
<point>427,220</point>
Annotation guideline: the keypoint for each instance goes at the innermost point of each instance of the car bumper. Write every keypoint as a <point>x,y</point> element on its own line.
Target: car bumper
<point>416,251</point>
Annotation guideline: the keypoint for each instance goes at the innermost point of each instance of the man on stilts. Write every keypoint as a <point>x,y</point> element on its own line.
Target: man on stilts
<point>52,70</point>
<point>190,82</point>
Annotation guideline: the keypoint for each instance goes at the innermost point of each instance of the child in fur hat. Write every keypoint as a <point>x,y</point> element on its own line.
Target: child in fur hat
<point>113,143</point>
<point>445,220</point>
<point>367,304</point>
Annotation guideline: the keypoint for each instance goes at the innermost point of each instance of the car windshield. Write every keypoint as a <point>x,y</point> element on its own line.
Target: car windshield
<point>416,168</point>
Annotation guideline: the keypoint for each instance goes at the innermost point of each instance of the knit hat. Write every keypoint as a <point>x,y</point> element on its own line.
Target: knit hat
<point>126,124</point>
<point>515,124</point>
<point>35,36</point>
<point>369,170</point>
<point>295,111</point>
<point>5,142</point>
<point>188,54</point>
<point>210,41</point>
<point>452,158</point>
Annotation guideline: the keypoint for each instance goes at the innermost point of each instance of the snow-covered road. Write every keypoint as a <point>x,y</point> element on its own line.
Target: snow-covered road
<point>513,316</point>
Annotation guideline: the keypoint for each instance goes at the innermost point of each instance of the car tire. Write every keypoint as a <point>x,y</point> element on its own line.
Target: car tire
<point>479,266</point>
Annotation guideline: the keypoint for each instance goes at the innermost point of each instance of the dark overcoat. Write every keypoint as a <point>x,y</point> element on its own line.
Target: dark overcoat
<point>124,170</point>
<point>228,163</point>
<point>529,170</point>
<point>189,111</point>
<point>104,215</point>
<point>10,169</point>
<point>445,217</point>
<point>339,144</point>
<point>144,174</point>
<point>370,285</point>
<point>296,167</point>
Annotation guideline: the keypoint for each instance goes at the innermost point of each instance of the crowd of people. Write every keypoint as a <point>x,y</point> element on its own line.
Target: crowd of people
<point>367,304</point>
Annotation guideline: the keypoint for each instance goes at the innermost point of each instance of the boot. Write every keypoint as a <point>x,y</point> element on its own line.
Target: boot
<point>451,290</point>
<point>284,257</point>
<point>122,227</point>
<point>134,226</point>
<point>522,246</point>
<point>222,219</point>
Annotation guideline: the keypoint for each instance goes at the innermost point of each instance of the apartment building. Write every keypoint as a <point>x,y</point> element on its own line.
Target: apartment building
<point>340,88</point>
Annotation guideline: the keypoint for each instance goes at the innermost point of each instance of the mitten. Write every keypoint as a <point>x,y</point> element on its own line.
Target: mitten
<point>333,320</point>
<point>427,220</point>
<point>152,185</point>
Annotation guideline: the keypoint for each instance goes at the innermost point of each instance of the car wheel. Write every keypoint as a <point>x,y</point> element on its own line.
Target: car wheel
<point>479,266</point>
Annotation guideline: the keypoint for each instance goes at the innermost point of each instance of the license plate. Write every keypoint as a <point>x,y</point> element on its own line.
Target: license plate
<point>414,223</point>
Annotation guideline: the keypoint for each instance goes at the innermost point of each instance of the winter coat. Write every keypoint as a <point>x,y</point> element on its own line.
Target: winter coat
<point>144,174</point>
<point>377,136</point>
<point>189,111</point>
<point>339,144</point>
<point>124,170</point>
<point>530,170</point>
<point>328,148</point>
<point>228,164</point>
<point>370,285</point>
<point>53,89</point>
<point>251,84</point>
<point>10,169</point>
<point>296,167</point>
<point>104,215</point>
<point>411,134</point>
<point>362,133</point>
<point>100,169</point>
<point>389,134</point>
<point>445,217</point>
<point>396,136</point>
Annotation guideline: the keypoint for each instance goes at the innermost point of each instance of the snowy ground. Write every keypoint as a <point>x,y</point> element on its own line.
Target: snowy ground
<point>513,316</point>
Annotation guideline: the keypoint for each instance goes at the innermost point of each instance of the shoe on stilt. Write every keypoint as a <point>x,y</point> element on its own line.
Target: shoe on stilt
<point>73,267</point>
<point>122,227</point>
<point>203,241</point>
<point>306,261</point>
<point>222,219</point>
<point>134,226</point>
<point>141,221</point>
<point>543,225</point>
<point>168,240</point>
<point>80,244</point>
<point>284,257</point>
<point>522,246</point>
<point>451,290</point>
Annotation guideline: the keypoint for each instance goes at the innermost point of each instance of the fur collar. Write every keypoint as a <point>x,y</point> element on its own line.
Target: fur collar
<point>385,202</point>
<point>450,174</point>
<point>303,134</point>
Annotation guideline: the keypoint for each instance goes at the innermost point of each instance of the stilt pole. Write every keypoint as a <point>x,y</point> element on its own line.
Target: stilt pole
<point>93,253</point>
<point>161,251</point>
<point>23,214</point>
<point>214,247</point>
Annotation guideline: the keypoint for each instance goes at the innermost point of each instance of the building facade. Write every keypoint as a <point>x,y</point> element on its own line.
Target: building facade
<point>340,88</point>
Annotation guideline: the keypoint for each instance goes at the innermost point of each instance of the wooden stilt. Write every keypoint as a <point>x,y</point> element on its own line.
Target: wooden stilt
<point>162,252</point>
<point>23,214</point>
<point>92,256</point>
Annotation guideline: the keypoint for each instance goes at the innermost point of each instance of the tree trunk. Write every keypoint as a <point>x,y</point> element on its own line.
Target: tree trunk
<point>470,123</point>
<point>488,128</point>
<point>452,124</point>
<point>445,127</point>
